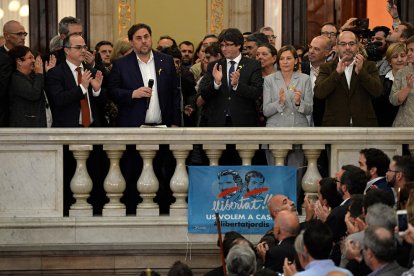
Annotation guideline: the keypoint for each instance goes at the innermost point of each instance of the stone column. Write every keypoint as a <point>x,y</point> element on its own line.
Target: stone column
<point>147,184</point>
<point>114,183</point>
<point>179,180</point>
<point>312,175</point>
<point>81,183</point>
<point>213,153</point>
<point>279,153</point>
<point>246,152</point>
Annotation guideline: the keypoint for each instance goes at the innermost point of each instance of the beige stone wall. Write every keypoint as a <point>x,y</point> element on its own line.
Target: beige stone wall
<point>181,19</point>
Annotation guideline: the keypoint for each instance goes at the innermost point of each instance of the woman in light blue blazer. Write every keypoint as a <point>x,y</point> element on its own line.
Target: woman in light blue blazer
<point>287,94</point>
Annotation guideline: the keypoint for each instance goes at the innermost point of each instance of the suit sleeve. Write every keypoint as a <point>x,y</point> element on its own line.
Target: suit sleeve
<point>6,68</point>
<point>306,103</point>
<point>271,104</point>
<point>119,95</point>
<point>251,82</point>
<point>396,88</point>
<point>369,79</point>
<point>57,91</point>
<point>23,88</point>
<point>327,81</point>
<point>206,86</point>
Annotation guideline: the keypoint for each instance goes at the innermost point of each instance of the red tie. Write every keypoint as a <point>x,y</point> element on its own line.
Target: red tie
<point>86,116</point>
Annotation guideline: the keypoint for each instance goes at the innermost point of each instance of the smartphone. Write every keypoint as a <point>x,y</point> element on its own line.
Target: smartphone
<point>402,221</point>
<point>391,3</point>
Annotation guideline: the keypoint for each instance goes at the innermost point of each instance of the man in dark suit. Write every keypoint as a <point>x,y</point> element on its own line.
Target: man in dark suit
<point>232,85</point>
<point>74,95</point>
<point>14,35</point>
<point>285,230</point>
<point>129,81</point>
<point>352,181</point>
<point>348,84</point>
<point>375,163</point>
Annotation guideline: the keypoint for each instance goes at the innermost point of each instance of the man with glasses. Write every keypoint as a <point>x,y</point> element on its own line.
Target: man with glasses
<point>348,85</point>
<point>270,34</point>
<point>232,85</point>
<point>14,35</point>
<point>69,26</point>
<point>74,89</point>
<point>330,31</point>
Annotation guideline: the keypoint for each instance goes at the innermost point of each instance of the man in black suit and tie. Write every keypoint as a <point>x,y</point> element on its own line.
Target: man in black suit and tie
<point>351,180</point>
<point>232,85</point>
<point>74,91</point>
<point>14,35</point>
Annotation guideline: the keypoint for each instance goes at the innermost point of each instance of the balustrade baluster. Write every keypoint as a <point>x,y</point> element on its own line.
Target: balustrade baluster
<point>147,183</point>
<point>81,183</point>
<point>179,181</point>
<point>114,184</point>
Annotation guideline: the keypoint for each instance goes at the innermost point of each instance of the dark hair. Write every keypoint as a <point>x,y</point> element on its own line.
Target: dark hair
<point>330,24</point>
<point>180,269</point>
<point>66,41</point>
<point>405,164</point>
<point>213,49</point>
<point>259,38</point>
<point>318,240</point>
<point>355,179</point>
<point>251,174</point>
<point>408,34</point>
<point>18,52</point>
<point>288,48</point>
<point>374,196</point>
<point>272,49</point>
<point>356,206</point>
<point>170,38</point>
<point>65,22</point>
<point>208,36</point>
<point>328,190</point>
<point>376,158</point>
<point>232,35</point>
<point>172,51</point>
<point>236,177</point>
<point>383,247</point>
<point>186,42</point>
<point>102,43</point>
<point>136,27</point>
<point>228,240</point>
<point>383,29</point>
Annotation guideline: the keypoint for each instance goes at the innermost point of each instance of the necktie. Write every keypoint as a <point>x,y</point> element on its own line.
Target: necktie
<point>231,70</point>
<point>86,116</point>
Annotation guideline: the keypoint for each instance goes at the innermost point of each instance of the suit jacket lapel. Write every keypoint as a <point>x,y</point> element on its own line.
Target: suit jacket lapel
<point>133,63</point>
<point>69,75</point>
<point>343,80</point>
<point>353,82</point>
<point>158,71</point>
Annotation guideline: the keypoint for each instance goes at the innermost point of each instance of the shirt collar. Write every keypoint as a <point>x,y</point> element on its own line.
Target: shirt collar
<point>73,66</point>
<point>390,76</point>
<point>237,59</point>
<point>149,60</point>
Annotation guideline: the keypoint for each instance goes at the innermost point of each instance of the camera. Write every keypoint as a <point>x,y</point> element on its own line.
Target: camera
<point>373,50</point>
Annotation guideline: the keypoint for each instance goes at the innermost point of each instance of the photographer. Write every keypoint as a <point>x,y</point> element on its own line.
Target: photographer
<point>377,48</point>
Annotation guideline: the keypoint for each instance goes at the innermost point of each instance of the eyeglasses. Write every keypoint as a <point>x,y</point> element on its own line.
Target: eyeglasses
<point>271,37</point>
<point>350,43</point>
<point>79,47</point>
<point>24,34</point>
<point>226,45</point>
<point>329,34</point>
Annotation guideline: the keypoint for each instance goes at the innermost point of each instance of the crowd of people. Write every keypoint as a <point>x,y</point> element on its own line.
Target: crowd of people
<point>235,79</point>
<point>232,79</point>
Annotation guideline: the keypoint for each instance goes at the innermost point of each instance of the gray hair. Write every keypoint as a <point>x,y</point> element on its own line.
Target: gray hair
<point>241,261</point>
<point>55,43</point>
<point>65,22</point>
<point>381,215</point>
<point>300,244</point>
<point>381,242</point>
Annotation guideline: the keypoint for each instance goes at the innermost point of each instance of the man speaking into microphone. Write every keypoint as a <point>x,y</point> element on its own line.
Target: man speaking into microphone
<point>144,84</point>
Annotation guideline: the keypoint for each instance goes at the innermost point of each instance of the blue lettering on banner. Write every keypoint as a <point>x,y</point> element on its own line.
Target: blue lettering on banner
<point>239,194</point>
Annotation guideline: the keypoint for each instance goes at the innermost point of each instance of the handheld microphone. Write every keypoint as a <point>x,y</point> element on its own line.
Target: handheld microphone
<point>150,85</point>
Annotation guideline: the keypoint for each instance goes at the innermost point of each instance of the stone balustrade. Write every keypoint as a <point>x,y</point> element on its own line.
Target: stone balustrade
<point>31,176</point>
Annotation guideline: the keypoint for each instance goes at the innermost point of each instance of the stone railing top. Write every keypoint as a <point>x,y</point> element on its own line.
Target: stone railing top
<point>315,135</point>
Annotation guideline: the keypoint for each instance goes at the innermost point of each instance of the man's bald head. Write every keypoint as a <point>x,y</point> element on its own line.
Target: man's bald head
<point>278,203</point>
